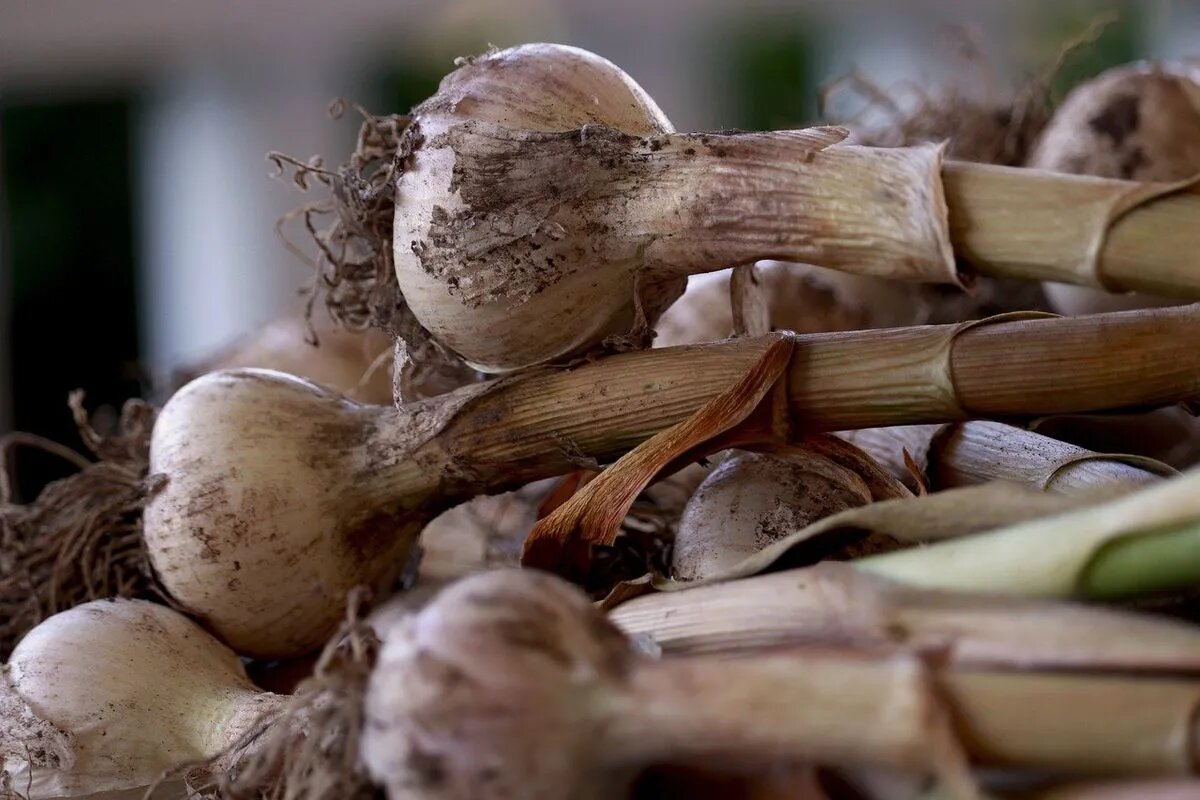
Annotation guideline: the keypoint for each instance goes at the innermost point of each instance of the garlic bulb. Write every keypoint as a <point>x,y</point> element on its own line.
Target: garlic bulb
<point>1137,122</point>
<point>270,497</point>
<point>270,513</point>
<point>544,190</point>
<point>751,501</point>
<point>108,695</point>
<point>536,87</point>
<point>343,360</point>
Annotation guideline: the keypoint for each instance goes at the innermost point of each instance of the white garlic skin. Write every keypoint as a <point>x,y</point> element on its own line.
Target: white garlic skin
<point>1136,122</point>
<point>278,498</point>
<point>751,501</point>
<point>119,690</point>
<point>533,87</point>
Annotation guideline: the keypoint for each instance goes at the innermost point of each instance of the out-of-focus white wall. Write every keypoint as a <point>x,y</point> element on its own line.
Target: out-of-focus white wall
<point>212,264</point>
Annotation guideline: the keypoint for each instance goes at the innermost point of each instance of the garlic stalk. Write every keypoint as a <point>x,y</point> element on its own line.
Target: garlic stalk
<point>110,694</point>
<point>969,453</point>
<point>836,602</point>
<point>1137,122</point>
<point>273,497</point>
<point>470,695</point>
<point>545,204</point>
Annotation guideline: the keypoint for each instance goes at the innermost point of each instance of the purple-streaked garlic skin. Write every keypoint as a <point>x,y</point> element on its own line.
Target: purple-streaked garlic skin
<point>500,688</point>
<point>1139,122</point>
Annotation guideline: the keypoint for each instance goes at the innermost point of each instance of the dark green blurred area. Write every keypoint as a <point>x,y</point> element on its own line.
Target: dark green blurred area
<point>67,172</point>
<point>68,178</point>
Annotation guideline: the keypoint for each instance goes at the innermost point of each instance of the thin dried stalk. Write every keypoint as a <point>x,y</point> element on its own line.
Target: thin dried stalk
<point>836,603</point>
<point>969,453</point>
<point>838,707</point>
<point>1140,543</point>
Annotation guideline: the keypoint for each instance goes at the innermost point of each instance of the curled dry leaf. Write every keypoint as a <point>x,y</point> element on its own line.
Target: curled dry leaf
<point>561,541</point>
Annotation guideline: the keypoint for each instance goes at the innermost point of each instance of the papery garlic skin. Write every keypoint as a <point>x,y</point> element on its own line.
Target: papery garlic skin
<point>533,87</point>
<point>278,497</point>
<point>109,694</point>
<point>1137,122</point>
<point>751,501</point>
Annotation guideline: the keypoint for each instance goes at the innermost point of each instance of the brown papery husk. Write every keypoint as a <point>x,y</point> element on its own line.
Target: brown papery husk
<point>353,269</point>
<point>356,363</point>
<point>81,538</point>
<point>308,750</point>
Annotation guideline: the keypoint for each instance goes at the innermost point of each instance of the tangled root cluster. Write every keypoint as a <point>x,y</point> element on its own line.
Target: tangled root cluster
<point>977,123</point>
<point>81,539</point>
<point>353,267</point>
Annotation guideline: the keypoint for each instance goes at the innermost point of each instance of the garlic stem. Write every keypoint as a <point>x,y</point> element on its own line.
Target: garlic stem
<point>835,602</point>
<point>832,708</point>
<point>1120,568</point>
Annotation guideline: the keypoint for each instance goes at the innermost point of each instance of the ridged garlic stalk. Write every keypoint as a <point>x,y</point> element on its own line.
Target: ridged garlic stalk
<point>108,695</point>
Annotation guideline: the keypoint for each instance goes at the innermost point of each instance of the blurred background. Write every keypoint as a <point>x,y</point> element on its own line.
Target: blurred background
<point>136,209</point>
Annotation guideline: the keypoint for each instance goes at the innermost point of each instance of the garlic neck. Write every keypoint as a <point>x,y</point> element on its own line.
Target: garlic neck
<point>241,713</point>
